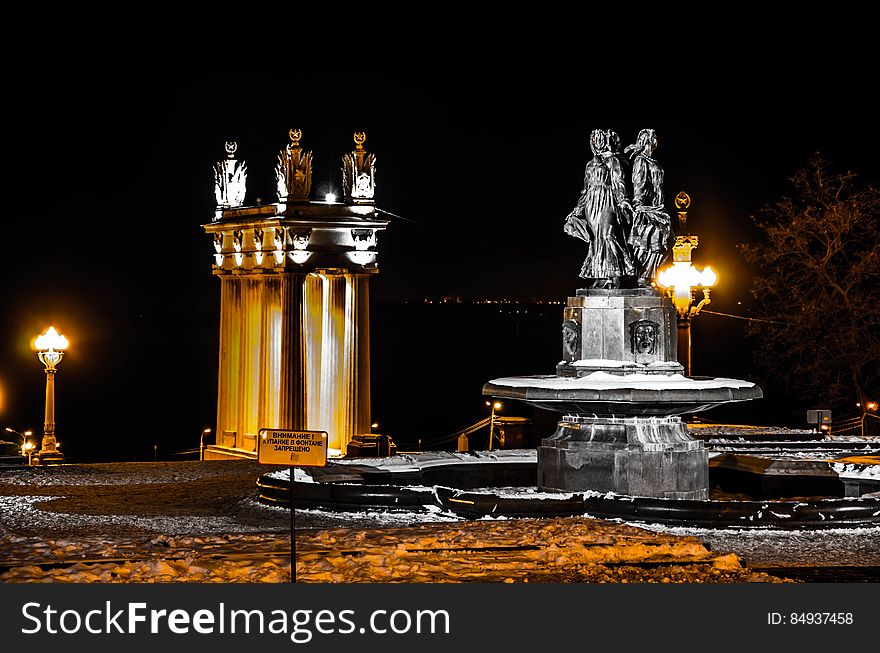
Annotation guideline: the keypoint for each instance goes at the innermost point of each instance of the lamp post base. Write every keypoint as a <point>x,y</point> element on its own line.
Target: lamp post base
<point>49,458</point>
<point>49,454</point>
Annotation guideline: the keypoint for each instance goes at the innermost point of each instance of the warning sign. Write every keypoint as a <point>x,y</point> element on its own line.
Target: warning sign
<point>292,448</point>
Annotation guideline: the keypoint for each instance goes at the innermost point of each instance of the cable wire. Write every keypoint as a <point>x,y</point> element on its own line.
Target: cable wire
<point>747,319</point>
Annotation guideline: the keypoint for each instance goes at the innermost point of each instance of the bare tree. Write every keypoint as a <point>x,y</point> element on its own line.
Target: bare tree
<point>817,289</point>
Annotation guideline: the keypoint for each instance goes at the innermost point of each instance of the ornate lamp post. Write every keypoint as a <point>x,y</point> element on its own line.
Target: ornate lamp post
<point>682,280</point>
<point>50,349</point>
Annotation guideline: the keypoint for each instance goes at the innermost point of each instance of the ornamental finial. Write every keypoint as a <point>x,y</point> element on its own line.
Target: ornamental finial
<point>293,172</point>
<point>359,173</point>
<point>230,180</point>
<point>682,201</point>
<point>359,138</point>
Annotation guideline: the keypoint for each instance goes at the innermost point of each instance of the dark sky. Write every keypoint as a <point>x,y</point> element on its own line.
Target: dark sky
<point>109,154</point>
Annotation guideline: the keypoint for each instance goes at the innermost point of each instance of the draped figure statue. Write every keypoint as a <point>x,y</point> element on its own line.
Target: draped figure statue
<point>620,213</point>
<point>651,234</point>
<point>602,216</point>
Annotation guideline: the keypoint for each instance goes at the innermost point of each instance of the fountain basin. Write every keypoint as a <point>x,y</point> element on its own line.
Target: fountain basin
<point>602,393</point>
<point>502,484</point>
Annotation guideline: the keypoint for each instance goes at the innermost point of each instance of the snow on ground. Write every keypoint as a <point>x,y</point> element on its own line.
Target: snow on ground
<point>773,547</point>
<point>110,474</point>
<point>774,453</point>
<point>201,522</point>
<point>746,430</point>
<point>856,470</point>
<point>547,550</point>
<point>22,513</point>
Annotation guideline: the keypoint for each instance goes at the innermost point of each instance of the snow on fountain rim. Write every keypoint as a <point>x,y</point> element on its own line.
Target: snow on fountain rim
<point>607,381</point>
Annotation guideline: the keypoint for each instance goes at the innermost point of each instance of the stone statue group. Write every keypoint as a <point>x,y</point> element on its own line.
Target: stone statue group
<point>620,213</point>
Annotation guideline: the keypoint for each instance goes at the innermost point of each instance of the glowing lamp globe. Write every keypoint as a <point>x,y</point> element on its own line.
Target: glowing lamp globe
<point>681,278</point>
<point>708,277</point>
<point>50,347</point>
<point>51,340</point>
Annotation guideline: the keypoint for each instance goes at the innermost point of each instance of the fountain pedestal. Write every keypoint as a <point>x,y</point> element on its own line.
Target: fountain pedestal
<point>653,457</point>
<point>621,392</point>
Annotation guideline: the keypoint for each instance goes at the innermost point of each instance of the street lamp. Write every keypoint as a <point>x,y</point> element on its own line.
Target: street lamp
<point>23,436</point>
<point>26,445</point>
<point>681,281</point>
<point>870,407</point>
<point>50,348</point>
<point>495,405</point>
<point>202,443</point>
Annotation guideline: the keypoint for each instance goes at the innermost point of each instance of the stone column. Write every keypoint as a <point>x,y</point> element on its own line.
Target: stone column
<point>292,393</point>
<point>358,344</point>
<point>228,388</point>
<point>261,381</point>
<point>337,327</point>
<point>334,406</point>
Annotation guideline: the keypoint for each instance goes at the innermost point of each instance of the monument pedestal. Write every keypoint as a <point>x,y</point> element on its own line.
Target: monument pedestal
<point>650,457</point>
<point>619,331</point>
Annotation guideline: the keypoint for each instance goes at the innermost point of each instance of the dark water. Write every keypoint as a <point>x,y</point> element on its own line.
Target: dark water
<point>430,361</point>
<point>150,389</point>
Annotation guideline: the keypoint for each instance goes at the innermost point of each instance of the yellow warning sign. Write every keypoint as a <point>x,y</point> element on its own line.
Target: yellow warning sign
<point>292,448</point>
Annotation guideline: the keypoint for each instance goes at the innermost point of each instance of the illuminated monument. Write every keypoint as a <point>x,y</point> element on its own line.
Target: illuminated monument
<point>619,386</point>
<point>294,302</point>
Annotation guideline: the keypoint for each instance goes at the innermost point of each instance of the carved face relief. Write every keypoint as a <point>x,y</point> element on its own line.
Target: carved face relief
<point>363,239</point>
<point>643,336</point>
<point>571,338</point>
<point>300,239</point>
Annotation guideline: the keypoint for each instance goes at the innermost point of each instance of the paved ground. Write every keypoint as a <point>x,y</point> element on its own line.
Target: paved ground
<point>200,522</point>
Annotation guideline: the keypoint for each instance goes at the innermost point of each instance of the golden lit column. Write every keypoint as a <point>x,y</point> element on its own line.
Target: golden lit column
<point>261,380</point>
<point>50,348</point>
<point>228,386</point>
<point>292,359</point>
<point>314,312</point>
<point>337,324</point>
<point>358,344</point>
<point>333,406</point>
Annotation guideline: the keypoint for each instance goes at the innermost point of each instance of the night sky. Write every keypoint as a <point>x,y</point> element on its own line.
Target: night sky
<point>109,177</point>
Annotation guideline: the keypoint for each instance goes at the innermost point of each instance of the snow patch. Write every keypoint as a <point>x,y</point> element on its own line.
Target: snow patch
<point>607,381</point>
<point>853,470</point>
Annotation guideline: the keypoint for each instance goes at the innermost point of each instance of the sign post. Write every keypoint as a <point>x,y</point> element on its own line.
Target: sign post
<point>294,449</point>
<point>822,418</point>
